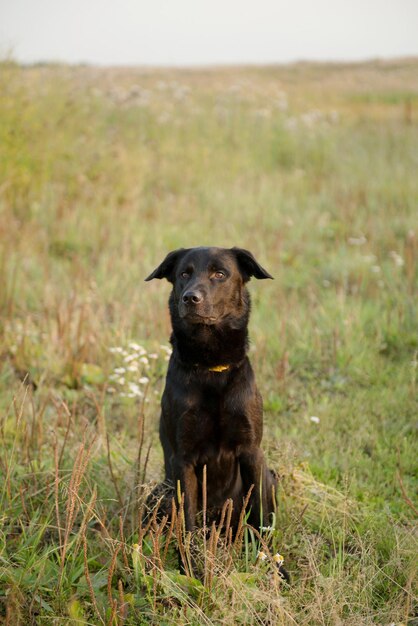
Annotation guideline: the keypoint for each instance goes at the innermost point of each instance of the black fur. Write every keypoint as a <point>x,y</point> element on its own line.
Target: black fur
<point>208,417</point>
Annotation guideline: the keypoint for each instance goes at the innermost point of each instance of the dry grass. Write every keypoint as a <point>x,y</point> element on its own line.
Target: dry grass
<point>313,168</point>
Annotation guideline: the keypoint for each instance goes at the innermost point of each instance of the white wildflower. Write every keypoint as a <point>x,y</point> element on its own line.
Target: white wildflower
<point>137,348</point>
<point>119,370</point>
<point>117,350</point>
<point>143,380</point>
<point>291,123</point>
<point>357,241</point>
<point>120,380</point>
<point>262,113</point>
<point>334,116</point>
<point>310,118</point>
<point>261,556</point>
<point>314,419</point>
<point>144,360</point>
<point>153,355</point>
<point>369,258</point>
<point>130,357</point>
<point>398,260</point>
<point>133,367</point>
<point>278,558</point>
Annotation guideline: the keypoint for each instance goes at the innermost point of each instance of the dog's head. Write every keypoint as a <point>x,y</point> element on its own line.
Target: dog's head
<point>209,283</point>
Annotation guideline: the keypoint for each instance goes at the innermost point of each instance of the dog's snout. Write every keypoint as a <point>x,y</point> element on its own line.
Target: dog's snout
<point>192,297</point>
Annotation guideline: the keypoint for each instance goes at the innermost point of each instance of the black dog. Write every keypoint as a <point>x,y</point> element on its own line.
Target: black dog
<point>211,408</point>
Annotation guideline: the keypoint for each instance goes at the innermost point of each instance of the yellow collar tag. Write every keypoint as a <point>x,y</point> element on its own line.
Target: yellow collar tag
<point>219,368</point>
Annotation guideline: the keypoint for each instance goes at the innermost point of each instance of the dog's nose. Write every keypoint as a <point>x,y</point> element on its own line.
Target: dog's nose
<point>192,297</point>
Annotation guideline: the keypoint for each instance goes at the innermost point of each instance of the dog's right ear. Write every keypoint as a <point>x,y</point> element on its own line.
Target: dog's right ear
<point>167,267</point>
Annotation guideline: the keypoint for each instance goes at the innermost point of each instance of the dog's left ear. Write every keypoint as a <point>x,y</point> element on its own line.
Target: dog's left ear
<point>248,265</point>
<point>167,267</point>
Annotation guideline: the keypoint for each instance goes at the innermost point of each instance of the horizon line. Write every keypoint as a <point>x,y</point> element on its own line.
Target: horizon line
<point>212,66</point>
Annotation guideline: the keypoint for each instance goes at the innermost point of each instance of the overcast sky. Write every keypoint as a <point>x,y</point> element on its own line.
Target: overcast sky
<point>201,32</point>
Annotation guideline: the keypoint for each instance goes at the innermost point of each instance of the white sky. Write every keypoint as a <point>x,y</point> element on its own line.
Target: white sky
<point>200,32</point>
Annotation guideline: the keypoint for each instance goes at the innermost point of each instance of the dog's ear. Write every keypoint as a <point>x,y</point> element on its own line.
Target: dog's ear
<point>167,267</point>
<point>248,265</point>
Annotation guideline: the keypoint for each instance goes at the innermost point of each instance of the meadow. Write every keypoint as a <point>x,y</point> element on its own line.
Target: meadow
<point>314,168</point>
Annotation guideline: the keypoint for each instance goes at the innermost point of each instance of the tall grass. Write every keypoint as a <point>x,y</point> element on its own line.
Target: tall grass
<point>102,172</point>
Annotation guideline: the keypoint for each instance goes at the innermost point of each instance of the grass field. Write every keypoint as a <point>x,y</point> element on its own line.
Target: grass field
<point>314,168</point>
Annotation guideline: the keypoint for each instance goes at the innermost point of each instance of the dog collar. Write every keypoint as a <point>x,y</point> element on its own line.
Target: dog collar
<point>218,368</point>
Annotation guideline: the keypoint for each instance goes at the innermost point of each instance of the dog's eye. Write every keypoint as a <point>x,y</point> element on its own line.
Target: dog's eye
<point>219,274</point>
<point>185,274</point>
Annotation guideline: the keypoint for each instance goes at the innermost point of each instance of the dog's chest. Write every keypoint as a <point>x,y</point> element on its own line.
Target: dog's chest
<point>210,429</point>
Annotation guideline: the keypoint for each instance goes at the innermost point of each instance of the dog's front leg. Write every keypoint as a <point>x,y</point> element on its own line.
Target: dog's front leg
<point>252,472</point>
<point>189,487</point>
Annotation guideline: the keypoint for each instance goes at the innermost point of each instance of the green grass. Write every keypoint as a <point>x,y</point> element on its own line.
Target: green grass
<point>102,171</point>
